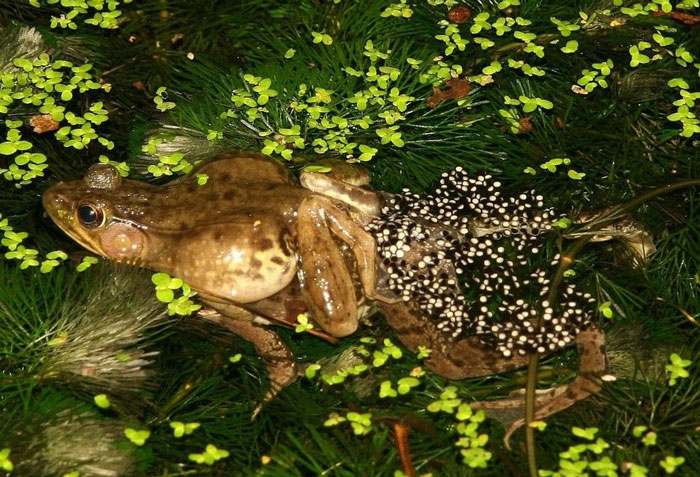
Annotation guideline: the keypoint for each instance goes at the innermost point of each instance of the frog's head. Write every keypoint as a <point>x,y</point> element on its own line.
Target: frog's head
<point>90,211</point>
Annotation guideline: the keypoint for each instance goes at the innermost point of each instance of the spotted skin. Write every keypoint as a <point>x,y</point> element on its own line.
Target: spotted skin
<point>467,233</point>
<point>259,248</point>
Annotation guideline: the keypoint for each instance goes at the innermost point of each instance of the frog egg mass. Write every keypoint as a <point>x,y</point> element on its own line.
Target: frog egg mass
<point>467,235</point>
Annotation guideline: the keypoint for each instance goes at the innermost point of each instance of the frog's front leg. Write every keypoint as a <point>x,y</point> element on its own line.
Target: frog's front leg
<point>327,283</point>
<point>365,201</point>
<point>279,361</point>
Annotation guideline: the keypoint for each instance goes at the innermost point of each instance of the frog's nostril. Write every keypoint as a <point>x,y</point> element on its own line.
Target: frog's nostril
<point>53,200</point>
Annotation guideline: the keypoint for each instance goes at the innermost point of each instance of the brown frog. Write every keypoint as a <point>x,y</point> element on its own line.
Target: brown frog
<point>260,247</point>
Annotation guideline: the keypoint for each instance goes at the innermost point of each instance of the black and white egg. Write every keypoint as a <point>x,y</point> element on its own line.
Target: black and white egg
<point>471,274</point>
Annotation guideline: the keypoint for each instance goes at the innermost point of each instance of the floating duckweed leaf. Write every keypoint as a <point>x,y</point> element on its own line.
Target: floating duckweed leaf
<point>137,437</point>
<point>311,370</point>
<point>304,324</point>
<point>334,419</point>
<point>406,384</point>
<point>676,368</point>
<point>368,152</point>
<point>48,265</point>
<point>324,38</point>
<point>606,309</point>
<point>570,47</point>
<point>493,68</point>
<point>379,358</point>
<point>444,405</point>
<point>649,439</point>
<point>598,446</point>
<point>210,455</point>
<point>5,462</point>
<point>165,295</point>
<point>476,457</point>
<point>7,148</point>
<point>385,390</point>
<point>201,179</point>
<point>235,358</point>
<point>181,429</point>
<point>102,401</point>
<point>361,423</point>
<point>587,433</point>
<point>423,352</point>
<point>464,412</point>
<point>61,338</point>
<point>678,83</point>
<point>57,255</point>
<point>86,263</point>
<point>670,463</point>
<point>539,425</point>
<point>391,349</point>
<point>524,36</point>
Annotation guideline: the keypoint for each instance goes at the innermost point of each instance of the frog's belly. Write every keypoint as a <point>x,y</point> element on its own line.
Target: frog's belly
<point>287,304</point>
<point>240,269</point>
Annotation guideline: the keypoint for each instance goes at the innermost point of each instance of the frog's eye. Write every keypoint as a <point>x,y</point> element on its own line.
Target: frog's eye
<point>90,216</point>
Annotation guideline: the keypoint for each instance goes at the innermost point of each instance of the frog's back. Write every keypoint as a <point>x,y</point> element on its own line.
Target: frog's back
<point>245,168</point>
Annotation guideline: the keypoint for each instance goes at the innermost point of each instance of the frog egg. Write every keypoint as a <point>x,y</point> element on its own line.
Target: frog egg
<point>456,202</point>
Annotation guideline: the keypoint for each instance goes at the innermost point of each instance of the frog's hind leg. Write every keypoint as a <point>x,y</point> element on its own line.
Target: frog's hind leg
<point>327,282</point>
<point>281,366</point>
<point>593,364</point>
<point>467,358</point>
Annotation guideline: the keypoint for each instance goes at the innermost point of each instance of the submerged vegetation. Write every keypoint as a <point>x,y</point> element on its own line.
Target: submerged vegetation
<point>592,102</point>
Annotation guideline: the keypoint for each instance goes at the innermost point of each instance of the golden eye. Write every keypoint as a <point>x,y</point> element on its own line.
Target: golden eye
<point>90,216</point>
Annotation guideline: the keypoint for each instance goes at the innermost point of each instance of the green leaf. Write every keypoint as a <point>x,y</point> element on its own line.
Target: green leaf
<point>406,384</point>
<point>7,148</point>
<point>137,437</point>
<point>102,401</point>
<point>311,370</point>
<point>160,279</point>
<point>165,295</point>
<point>588,433</point>
<point>385,390</point>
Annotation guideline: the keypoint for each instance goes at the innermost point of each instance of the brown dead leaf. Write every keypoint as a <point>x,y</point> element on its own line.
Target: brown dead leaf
<point>525,125</point>
<point>459,14</point>
<point>457,88</point>
<point>43,123</point>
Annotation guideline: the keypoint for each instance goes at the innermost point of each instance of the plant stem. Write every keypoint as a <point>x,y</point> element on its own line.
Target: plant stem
<point>567,259</point>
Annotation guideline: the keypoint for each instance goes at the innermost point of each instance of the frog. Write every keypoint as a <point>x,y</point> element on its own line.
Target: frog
<point>260,247</point>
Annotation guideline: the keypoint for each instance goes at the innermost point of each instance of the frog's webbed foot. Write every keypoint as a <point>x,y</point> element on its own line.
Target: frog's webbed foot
<point>281,366</point>
<point>631,233</point>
